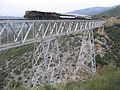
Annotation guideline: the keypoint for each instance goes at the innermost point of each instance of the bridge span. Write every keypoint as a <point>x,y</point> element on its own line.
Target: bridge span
<point>44,34</point>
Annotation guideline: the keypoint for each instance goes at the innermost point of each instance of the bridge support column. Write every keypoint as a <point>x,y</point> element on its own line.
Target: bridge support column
<point>47,63</point>
<point>86,64</point>
<point>48,67</point>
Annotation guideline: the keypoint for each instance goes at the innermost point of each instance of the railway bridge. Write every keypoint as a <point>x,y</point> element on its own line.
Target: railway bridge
<point>47,64</point>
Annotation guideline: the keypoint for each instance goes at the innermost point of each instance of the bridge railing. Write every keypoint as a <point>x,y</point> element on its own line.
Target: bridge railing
<point>15,33</point>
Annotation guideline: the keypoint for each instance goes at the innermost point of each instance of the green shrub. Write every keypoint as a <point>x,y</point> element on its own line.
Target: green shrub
<point>110,80</point>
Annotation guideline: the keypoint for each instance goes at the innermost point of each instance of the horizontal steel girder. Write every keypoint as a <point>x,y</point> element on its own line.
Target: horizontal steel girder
<point>14,33</point>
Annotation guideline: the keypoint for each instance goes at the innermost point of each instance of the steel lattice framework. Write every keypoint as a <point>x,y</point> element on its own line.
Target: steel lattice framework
<point>47,64</point>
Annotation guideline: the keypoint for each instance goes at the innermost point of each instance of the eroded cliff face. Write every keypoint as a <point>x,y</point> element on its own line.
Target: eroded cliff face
<point>16,64</point>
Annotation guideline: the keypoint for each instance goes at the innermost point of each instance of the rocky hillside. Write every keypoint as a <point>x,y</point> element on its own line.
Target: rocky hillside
<point>15,64</point>
<point>113,12</point>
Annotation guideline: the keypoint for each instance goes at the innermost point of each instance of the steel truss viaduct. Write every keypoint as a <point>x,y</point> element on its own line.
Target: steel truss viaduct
<point>47,63</point>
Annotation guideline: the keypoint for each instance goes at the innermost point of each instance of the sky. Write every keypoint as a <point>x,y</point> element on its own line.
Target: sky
<point>18,7</point>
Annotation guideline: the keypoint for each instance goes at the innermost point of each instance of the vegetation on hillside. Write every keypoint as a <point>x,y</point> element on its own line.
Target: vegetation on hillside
<point>14,59</point>
<point>113,55</point>
<point>114,12</point>
<point>110,80</point>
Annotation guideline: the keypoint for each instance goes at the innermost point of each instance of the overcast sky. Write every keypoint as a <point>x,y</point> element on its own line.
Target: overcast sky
<point>18,7</point>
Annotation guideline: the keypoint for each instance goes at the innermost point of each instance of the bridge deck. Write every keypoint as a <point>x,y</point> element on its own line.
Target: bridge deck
<point>14,33</point>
